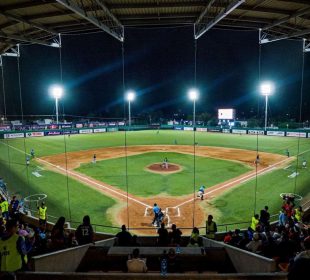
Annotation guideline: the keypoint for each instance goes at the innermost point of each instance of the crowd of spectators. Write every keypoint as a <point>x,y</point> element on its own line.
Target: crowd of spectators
<point>286,241</point>
<point>20,241</point>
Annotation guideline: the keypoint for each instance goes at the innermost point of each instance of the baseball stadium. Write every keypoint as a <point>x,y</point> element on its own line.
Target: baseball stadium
<point>213,145</point>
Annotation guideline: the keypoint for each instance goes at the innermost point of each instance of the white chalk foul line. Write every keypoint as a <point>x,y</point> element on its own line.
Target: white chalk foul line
<point>240,180</point>
<point>83,178</point>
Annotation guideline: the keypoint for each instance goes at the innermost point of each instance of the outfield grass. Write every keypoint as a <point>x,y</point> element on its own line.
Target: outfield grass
<point>235,205</point>
<point>209,172</point>
<point>44,146</point>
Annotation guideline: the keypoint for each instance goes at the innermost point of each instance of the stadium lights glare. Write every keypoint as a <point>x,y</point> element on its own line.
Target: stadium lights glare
<point>193,94</point>
<point>266,88</point>
<point>56,91</point>
<point>130,96</point>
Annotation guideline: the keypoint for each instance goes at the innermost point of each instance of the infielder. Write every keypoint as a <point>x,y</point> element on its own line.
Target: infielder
<point>201,192</point>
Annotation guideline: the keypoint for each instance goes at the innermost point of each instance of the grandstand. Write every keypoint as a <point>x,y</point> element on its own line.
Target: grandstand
<point>101,167</point>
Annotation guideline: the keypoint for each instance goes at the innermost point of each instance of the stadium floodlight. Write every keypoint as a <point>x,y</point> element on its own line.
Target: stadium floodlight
<point>193,95</point>
<point>130,96</point>
<point>266,89</point>
<point>56,92</point>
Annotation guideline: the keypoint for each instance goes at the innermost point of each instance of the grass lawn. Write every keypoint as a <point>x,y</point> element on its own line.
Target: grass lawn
<point>238,204</point>
<point>56,144</point>
<point>144,183</point>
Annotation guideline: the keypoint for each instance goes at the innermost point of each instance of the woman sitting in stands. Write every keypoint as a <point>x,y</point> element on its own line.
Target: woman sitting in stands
<point>58,237</point>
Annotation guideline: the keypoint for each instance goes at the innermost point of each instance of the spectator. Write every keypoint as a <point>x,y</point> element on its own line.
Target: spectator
<point>244,241</point>
<point>255,222</point>
<point>175,235</point>
<point>236,237</point>
<point>4,208</point>
<point>134,241</point>
<point>298,214</point>
<point>84,233</point>
<point>135,264</point>
<point>196,236</point>
<point>228,237</point>
<point>162,239</point>
<point>264,217</point>
<point>192,243</point>
<point>42,214</point>
<point>14,206</point>
<point>211,228</point>
<point>255,245</point>
<point>58,238</point>
<point>124,237</point>
<point>12,249</point>
<point>173,262</point>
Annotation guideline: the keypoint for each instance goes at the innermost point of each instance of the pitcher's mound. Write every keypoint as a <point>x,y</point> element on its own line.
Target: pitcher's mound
<point>159,168</point>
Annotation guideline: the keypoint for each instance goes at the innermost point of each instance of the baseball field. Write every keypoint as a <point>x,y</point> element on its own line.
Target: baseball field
<point>128,176</point>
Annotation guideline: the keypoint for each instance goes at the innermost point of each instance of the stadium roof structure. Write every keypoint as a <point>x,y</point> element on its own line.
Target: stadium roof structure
<point>41,21</point>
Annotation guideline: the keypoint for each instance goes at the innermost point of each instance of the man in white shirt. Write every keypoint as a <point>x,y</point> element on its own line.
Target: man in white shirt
<point>136,264</point>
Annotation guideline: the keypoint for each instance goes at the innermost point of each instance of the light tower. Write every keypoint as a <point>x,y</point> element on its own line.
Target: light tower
<point>56,92</point>
<point>266,89</point>
<point>130,96</point>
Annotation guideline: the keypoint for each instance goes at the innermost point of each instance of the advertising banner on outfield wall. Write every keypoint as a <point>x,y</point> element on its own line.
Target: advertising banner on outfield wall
<point>112,129</point>
<point>35,134</point>
<point>178,128</point>
<point>296,134</point>
<point>52,133</point>
<point>226,130</point>
<point>13,135</point>
<point>260,132</point>
<point>85,131</point>
<point>70,132</point>
<point>201,129</point>
<point>188,128</point>
<point>275,133</point>
<point>214,129</point>
<point>239,131</point>
<point>98,130</point>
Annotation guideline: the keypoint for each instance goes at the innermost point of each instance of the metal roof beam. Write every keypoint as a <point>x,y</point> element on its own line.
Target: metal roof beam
<point>28,40</point>
<point>287,18</point>
<point>306,45</point>
<point>115,29</point>
<point>28,4</point>
<point>13,51</point>
<point>22,20</point>
<point>202,27</point>
<point>265,38</point>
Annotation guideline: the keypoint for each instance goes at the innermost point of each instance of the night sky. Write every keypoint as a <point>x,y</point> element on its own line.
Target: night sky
<point>159,65</point>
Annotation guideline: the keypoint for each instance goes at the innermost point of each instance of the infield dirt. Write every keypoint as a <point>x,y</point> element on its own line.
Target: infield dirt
<point>181,208</point>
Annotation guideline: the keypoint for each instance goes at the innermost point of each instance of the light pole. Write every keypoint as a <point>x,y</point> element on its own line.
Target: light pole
<point>56,92</point>
<point>266,89</point>
<point>130,96</point>
<point>193,95</point>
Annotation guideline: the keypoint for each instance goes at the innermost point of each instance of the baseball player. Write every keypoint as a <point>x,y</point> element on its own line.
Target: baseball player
<point>304,164</point>
<point>201,192</point>
<point>94,158</point>
<point>257,160</point>
<point>32,153</point>
<point>27,160</point>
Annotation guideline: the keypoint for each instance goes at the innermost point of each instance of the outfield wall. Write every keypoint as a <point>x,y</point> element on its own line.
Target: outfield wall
<point>70,129</point>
